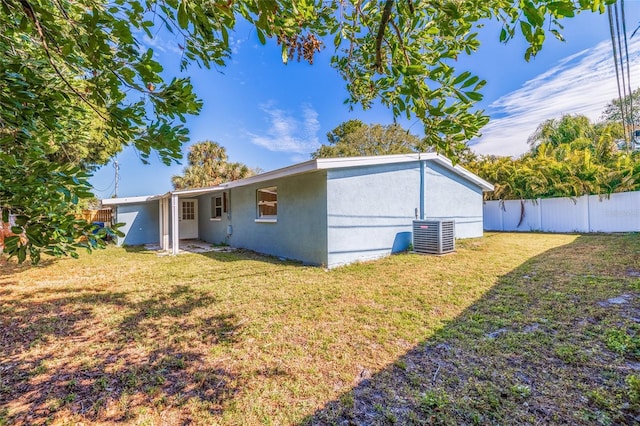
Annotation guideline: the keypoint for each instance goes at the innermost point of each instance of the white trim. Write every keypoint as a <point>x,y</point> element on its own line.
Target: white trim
<point>337,163</point>
<point>129,200</point>
<point>486,186</point>
<point>266,220</point>
<point>199,191</point>
<point>164,235</point>
<point>314,165</point>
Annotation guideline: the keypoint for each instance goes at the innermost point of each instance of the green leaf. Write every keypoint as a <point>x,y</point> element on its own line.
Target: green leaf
<point>475,96</point>
<point>461,77</point>
<point>526,31</point>
<point>503,35</point>
<point>22,254</point>
<point>262,38</point>
<point>557,34</point>
<point>533,15</point>
<point>469,82</point>
<point>414,70</point>
<point>183,18</point>
<point>561,9</point>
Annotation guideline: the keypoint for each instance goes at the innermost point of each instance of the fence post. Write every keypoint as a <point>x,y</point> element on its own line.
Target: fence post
<point>588,213</point>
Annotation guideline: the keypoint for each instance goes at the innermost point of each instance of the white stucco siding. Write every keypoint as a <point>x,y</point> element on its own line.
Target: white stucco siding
<point>370,211</point>
<point>449,196</point>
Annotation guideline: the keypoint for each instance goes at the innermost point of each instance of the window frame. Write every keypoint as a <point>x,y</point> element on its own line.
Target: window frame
<point>262,204</point>
<point>214,207</point>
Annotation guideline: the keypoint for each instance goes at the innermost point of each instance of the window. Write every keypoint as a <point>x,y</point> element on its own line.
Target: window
<point>188,210</point>
<point>216,207</point>
<point>267,202</point>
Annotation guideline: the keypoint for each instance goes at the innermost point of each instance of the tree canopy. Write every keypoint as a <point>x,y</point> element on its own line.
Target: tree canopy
<point>354,138</point>
<point>613,110</point>
<point>78,84</point>
<point>569,157</point>
<point>208,165</point>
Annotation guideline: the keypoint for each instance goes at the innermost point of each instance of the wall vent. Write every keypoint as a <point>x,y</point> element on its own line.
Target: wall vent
<point>434,236</point>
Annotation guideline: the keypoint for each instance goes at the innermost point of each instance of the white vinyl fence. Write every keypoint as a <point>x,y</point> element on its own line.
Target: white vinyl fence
<point>589,213</point>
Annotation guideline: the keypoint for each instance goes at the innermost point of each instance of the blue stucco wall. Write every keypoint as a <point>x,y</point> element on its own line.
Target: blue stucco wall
<point>212,230</point>
<point>300,231</point>
<point>449,196</point>
<point>370,211</point>
<point>141,223</point>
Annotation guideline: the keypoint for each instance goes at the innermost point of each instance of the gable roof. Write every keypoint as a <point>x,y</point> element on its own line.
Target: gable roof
<point>319,164</point>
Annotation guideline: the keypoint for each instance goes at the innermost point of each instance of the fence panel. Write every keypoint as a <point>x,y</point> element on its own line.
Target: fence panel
<point>102,215</point>
<point>564,215</point>
<point>618,213</point>
<point>491,216</point>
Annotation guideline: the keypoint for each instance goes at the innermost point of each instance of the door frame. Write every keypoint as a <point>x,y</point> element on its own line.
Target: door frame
<point>195,230</point>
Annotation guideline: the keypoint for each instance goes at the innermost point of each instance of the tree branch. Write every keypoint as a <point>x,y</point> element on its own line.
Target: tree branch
<point>411,9</point>
<point>28,10</point>
<point>399,34</point>
<point>386,14</point>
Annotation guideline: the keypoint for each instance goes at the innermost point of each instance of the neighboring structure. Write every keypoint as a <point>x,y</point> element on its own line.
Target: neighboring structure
<point>323,212</point>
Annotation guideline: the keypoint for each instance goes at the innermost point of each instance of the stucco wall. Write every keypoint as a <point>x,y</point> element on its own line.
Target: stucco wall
<point>449,196</point>
<point>370,211</point>
<point>300,230</point>
<point>141,223</point>
<point>212,230</point>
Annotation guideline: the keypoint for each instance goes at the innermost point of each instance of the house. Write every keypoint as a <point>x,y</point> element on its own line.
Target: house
<point>329,211</point>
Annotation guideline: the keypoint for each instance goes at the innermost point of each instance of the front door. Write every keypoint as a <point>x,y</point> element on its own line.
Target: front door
<point>188,219</point>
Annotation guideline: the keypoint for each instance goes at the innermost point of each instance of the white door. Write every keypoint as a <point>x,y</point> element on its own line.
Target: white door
<point>188,219</point>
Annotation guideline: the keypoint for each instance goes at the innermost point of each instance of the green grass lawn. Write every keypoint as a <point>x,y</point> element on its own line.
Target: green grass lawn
<point>511,329</point>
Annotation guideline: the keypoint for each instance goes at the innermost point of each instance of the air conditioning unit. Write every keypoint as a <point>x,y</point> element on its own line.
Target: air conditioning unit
<point>434,236</point>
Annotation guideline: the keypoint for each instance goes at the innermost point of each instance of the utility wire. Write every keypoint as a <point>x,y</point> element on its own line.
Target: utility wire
<point>624,78</point>
<point>615,62</point>
<point>626,54</point>
<point>107,188</point>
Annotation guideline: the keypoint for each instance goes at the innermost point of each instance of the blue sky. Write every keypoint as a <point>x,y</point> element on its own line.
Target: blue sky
<point>270,115</point>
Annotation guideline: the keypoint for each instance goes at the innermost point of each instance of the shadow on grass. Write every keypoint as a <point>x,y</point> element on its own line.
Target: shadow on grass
<point>224,254</point>
<point>535,349</point>
<point>9,267</point>
<point>57,359</point>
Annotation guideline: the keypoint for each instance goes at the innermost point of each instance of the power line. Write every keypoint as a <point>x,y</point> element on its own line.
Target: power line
<point>626,54</point>
<point>623,77</point>
<point>615,63</point>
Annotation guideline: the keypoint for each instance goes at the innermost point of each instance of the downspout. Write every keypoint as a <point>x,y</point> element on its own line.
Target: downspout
<point>160,221</point>
<point>229,216</point>
<point>175,238</point>
<point>422,170</point>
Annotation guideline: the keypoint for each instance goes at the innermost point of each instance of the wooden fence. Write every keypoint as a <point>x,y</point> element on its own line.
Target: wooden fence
<point>102,215</point>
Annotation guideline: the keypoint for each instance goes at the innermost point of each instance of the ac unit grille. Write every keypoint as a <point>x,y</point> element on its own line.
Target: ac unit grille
<point>434,236</point>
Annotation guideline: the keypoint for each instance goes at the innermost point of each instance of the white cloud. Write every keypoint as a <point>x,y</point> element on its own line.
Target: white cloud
<point>158,43</point>
<point>286,132</point>
<point>582,83</point>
